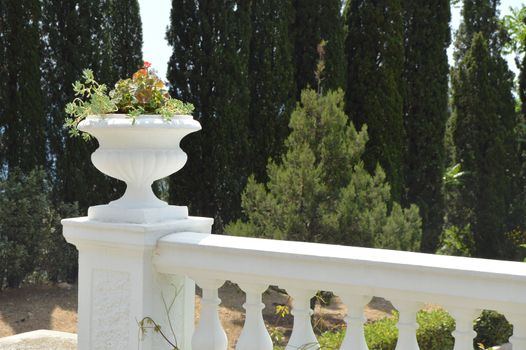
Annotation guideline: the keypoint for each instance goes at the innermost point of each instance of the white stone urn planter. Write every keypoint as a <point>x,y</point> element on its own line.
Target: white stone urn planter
<point>138,153</point>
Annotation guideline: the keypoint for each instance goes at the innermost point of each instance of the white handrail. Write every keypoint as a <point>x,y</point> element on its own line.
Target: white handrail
<point>480,283</point>
<point>464,286</point>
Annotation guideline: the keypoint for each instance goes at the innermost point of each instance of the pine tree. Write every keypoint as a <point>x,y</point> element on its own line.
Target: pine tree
<point>375,53</point>
<point>126,37</point>
<point>271,81</point>
<point>426,70</point>
<point>483,133</point>
<point>317,21</point>
<point>209,68</point>
<point>320,190</point>
<point>23,117</point>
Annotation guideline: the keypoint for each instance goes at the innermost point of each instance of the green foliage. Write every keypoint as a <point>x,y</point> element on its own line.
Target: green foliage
<point>271,81</point>
<point>316,21</point>
<point>492,329</point>
<point>320,191</point>
<point>435,330</point>
<point>457,241</point>
<point>425,96</point>
<point>30,231</point>
<point>209,68</point>
<point>57,260</point>
<point>434,333</point>
<point>375,57</point>
<point>97,101</point>
<point>382,334</point>
<point>79,33</point>
<point>453,175</point>
<point>515,25</point>
<point>144,93</point>
<point>22,114</point>
<point>484,137</point>
<point>126,38</point>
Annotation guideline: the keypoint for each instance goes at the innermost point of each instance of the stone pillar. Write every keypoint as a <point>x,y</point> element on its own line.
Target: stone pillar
<point>118,285</point>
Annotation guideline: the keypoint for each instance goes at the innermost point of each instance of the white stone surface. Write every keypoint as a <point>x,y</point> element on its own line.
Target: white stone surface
<point>119,286</point>
<point>138,153</point>
<point>462,285</point>
<point>40,340</point>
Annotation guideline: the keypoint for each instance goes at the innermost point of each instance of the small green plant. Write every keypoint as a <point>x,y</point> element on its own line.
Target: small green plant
<point>143,93</point>
<point>148,323</point>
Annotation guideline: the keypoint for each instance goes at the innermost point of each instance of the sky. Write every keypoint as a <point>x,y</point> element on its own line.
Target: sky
<point>155,15</point>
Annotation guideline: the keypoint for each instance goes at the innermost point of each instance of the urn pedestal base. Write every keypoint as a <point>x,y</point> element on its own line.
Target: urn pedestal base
<point>109,213</point>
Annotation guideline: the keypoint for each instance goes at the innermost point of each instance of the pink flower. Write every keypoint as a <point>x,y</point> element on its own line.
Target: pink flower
<point>147,64</point>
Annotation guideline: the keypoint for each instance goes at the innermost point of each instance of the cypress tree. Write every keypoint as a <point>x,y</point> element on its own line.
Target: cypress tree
<point>271,81</point>
<point>208,68</point>
<point>375,53</point>
<point>78,36</point>
<point>22,117</point>
<point>126,37</point>
<point>483,132</point>
<point>3,86</point>
<point>426,70</point>
<point>317,20</point>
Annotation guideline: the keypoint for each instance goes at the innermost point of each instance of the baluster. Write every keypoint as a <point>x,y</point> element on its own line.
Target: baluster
<point>407,325</point>
<point>254,335</point>
<point>518,340</point>
<point>355,337</point>
<point>209,334</point>
<point>464,333</point>
<point>302,336</point>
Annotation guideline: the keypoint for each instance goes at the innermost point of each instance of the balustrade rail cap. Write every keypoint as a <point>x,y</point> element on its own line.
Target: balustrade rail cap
<point>360,255</point>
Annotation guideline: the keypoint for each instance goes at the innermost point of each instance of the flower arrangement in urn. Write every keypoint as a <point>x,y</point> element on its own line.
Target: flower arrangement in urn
<point>138,127</point>
<point>143,93</point>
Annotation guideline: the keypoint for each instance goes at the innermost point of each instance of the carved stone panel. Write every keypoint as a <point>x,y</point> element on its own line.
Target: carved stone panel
<point>110,314</point>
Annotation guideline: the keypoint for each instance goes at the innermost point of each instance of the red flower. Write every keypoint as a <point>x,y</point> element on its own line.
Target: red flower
<point>147,64</point>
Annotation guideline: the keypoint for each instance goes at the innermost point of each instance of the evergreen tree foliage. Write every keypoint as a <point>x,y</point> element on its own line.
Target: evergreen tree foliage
<point>22,112</point>
<point>126,38</point>
<point>3,85</point>
<point>78,35</point>
<point>375,53</point>
<point>317,20</point>
<point>271,81</point>
<point>484,121</point>
<point>209,68</point>
<point>30,231</point>
<point>426,70</point>
<point>321,192</point>
<point>478,16</point>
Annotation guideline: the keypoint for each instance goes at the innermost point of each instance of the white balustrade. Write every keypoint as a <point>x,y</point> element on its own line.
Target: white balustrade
<point>354,337</point>
<point>209,334</point>
<point>302,336</point>
<point>407,325</point>
<point>464,333</point>
<point>254,335</point>
<point>518,340</point>
<point>464,286</point>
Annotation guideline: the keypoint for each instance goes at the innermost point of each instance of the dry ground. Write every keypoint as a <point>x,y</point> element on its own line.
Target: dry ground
<point>55,308</point>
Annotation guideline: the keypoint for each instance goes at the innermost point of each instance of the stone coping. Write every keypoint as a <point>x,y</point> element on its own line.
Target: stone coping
<point>40,340</point>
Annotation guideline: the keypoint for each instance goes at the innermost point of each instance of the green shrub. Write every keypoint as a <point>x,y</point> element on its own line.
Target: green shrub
<point>492,329</point>
<point>32,247</point>
<point>382,334</point>
<point>434,332</point>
